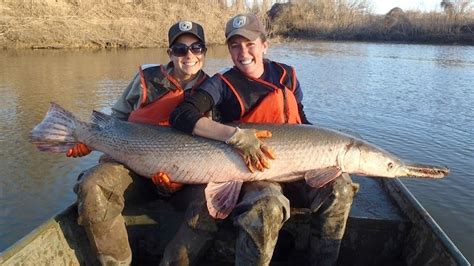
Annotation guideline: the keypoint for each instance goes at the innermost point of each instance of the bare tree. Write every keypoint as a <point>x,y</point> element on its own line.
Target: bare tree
<point>448,7</point>
<point>456,7</point>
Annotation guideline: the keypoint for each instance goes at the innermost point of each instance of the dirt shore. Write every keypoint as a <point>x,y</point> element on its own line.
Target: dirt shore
<point>105,24</point>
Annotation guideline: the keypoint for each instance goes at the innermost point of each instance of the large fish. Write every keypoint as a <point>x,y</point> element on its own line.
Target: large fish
<point>316,154</point>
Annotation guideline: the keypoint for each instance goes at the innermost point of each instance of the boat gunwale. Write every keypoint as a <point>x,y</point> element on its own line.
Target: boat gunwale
<point>403,197</point>
<point>20,244</point>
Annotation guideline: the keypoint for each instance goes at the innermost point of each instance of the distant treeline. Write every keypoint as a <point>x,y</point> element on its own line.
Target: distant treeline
<point>144,23</point>
<point>334,20</point>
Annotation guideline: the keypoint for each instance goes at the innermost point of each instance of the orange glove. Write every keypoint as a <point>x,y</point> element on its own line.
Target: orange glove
<point>164,184</point>
<point>79,150</point>
<point>254,152</point>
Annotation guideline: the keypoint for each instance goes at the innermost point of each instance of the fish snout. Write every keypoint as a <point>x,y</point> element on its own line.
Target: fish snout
<point>426,171</point>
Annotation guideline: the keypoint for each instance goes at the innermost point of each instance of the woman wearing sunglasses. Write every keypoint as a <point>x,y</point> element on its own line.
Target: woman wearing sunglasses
<point>258,90</point>
<point>149,98</point>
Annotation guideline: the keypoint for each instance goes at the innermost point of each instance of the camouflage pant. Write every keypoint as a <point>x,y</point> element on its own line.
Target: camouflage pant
<point>330,207</point>
<point>101,193</point>
<point>262,209</point>
<point>100,203</point>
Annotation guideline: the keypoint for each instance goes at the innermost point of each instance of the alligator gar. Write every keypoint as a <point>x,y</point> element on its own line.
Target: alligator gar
<point>303,151</point>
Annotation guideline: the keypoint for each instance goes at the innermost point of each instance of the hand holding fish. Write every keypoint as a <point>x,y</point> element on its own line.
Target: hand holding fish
<point>79,150</point>
<point>251,148</point>
<point>164,184</point>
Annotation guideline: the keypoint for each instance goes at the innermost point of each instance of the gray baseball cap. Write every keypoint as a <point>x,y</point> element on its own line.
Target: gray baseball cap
<point>185,27</point>
<point>245,25</point>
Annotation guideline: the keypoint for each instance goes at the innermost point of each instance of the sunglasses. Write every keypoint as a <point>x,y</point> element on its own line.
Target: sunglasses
<point>181,49</point>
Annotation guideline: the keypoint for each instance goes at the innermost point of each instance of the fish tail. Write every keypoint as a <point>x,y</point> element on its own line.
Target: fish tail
<point>56,132</point>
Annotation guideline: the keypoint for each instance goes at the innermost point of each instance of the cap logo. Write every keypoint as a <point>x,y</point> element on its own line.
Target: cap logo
<point>185,25</point>
<point>239,21</point>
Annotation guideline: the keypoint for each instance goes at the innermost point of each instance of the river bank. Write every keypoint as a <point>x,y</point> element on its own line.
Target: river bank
<point>103,23</point>
<point>313,21</point>
<point>60,24</point>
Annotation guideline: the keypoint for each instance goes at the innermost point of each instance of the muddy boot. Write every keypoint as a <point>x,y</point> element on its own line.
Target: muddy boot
<point>259,216</point>
<point>330,209</point>
<point>100,203</point>
<point>195,235</point>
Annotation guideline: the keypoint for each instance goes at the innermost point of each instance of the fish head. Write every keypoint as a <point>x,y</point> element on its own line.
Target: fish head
<point>374,161</point>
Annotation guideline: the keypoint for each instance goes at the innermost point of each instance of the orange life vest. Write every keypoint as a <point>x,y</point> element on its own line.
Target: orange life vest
<point>156,109</point>
<point>277,104</point>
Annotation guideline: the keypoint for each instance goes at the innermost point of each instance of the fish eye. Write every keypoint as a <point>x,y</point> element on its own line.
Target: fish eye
<point>390,165</point>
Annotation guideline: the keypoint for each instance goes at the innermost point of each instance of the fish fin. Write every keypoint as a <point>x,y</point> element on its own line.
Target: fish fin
<point>351,133</point>
<point>101,119</point>
<point>222,197</point>
<point>56,132</point>
<point>320,177</point>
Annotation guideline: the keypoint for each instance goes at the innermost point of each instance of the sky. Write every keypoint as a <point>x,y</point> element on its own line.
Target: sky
<point>383,6</point>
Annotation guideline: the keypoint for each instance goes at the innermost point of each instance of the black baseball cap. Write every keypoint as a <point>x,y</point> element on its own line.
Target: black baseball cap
<point>185,27</point>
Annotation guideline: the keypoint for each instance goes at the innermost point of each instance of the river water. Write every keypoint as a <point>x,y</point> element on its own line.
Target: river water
<point>414,100</point>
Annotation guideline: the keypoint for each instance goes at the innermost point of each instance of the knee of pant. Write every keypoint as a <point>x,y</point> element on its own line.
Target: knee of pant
<point>270,209</point>
<point>89,179</point>
<point>96,204</point>
<point>102,178</point>
<point>92,206</point>
<point>86,185</point>
<point>344,189</point>
<point>89,190</point>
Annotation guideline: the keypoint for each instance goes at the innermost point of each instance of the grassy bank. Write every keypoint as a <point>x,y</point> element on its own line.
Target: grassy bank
<point>144,23</point>
<point>328,20</point>
<point>102,23</point>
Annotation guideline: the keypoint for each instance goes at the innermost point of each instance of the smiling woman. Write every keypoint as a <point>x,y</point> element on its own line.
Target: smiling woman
<point>150,97</point>
<point>187,54</point>
<point>187,50</point>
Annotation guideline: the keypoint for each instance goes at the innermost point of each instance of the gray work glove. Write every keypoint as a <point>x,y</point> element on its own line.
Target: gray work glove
<point>254,152</point>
